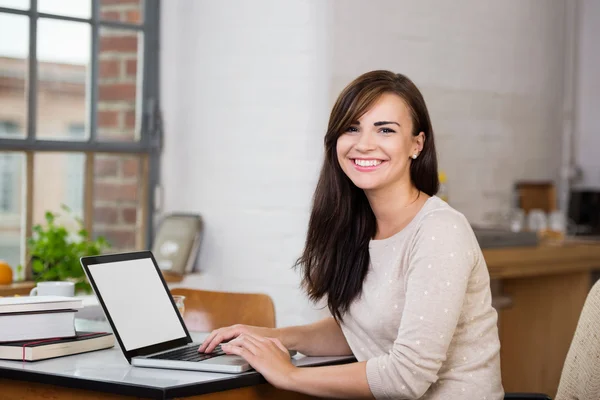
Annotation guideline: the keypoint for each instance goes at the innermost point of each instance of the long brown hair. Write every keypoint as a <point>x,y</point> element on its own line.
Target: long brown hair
<point>335,259</point>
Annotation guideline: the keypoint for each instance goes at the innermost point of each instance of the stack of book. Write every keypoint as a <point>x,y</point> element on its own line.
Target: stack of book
<point>41,327</point>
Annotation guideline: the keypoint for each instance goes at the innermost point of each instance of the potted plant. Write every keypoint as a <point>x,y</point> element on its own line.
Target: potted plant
<point>55,251</point>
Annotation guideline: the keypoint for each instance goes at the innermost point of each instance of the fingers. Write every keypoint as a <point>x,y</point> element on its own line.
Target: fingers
<point>257,345</point>
<point>250,343</point>
<point>207,341</point>
<point>239,351</point>
<point>207,346</point>
<point>218,336</point>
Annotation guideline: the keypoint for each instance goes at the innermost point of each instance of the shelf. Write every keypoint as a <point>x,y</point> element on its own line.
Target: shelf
<point>17,288</point>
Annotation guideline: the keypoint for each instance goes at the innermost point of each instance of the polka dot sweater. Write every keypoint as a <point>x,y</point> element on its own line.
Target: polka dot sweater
<point>424,320</point>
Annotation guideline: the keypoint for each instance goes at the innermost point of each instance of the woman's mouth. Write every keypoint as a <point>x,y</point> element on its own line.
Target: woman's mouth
<point>363,164</point>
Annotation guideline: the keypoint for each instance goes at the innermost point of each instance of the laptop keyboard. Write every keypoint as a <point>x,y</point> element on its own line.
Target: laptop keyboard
<point>189,353</point>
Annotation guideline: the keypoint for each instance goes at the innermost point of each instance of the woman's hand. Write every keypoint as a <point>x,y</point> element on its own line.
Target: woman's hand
<point>266,355</point>
<point>218,336</point>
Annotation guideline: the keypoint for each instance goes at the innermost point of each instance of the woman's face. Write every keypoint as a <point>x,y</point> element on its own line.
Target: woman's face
<point>376,151</point>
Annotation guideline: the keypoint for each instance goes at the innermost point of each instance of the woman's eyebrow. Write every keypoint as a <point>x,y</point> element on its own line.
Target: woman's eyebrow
<point>379,123</point>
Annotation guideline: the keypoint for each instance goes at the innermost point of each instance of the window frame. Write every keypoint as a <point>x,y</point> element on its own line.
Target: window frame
<point>149,145</point>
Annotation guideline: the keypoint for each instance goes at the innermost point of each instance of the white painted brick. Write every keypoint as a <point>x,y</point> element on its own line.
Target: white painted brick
<point>587,117</point>
<point>247,97</point>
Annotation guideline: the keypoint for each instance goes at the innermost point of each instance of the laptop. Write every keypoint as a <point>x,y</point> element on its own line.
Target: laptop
<point>144,318</point>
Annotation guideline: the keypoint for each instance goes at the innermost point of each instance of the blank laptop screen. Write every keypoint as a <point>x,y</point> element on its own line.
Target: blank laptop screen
<point>137,302</point>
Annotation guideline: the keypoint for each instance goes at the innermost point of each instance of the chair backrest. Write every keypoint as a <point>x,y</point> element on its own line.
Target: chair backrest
<point>207,310</point>
<point>580,378</point>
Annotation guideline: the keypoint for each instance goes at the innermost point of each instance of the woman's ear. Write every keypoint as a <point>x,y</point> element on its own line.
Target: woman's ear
<point>419,141</point>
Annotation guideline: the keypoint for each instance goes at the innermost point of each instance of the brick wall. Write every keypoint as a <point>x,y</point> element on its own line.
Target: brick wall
<point>116,199</point>
<point>116,181</point>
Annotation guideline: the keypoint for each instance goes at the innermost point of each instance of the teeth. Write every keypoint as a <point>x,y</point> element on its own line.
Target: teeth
<point>367,163</point>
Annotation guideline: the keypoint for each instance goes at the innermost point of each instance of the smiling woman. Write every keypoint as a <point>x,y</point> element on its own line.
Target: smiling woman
<point>378,124</point>
<point>385,146</point>
<point>401,271</point>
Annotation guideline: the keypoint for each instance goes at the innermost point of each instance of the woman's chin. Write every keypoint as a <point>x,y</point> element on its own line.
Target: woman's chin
<point>365,184</point>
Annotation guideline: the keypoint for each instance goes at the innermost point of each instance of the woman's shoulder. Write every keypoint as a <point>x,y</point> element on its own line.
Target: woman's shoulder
<point>442,230</point>
<point>436,209</point>
<point>438,216</point>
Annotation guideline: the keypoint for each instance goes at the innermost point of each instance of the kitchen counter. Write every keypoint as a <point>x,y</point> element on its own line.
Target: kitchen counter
<point>545,288</point>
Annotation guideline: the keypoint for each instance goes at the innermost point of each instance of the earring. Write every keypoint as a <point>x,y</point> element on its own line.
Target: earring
<point>414,156</point>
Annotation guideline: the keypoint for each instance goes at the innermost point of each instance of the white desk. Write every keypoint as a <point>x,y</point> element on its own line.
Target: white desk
<point>108,371</point>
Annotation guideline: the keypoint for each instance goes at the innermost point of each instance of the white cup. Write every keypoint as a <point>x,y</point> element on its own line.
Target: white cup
<point>58,288</point>
<point>537,220</point>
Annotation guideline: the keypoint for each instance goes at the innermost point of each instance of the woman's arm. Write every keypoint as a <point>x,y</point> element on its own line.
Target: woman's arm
<point>270,358</point>
<point>348,381</point>
<point>323,338</point>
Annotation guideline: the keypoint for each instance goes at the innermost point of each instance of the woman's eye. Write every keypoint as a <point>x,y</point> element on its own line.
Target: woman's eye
<point>352,129</point>
<point>387,130</point>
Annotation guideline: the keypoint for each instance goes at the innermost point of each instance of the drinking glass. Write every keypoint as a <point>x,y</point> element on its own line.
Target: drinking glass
<point>516,220</point>
<point>537,220</point>
<point>179,302</point>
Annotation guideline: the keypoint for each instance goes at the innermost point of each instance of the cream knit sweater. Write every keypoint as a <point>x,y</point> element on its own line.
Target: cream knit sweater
<point>424,320</point>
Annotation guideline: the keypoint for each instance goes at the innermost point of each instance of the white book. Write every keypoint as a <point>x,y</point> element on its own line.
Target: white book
<point>21,304</point>
<point>37,325</point>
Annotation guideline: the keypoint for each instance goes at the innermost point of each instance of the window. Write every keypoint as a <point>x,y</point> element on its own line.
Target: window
<point>9,128</point>
<point>75,166</point>
<point>10,172</point>
<point>78,122</point>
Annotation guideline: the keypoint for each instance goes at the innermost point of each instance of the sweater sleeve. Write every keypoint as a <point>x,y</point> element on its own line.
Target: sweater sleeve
<point>440,262</point>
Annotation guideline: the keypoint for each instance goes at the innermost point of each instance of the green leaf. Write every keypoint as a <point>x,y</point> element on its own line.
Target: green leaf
<point>49,217</point>
<point>37,266</point>
<point>55,252</point>
<point>83,286</point>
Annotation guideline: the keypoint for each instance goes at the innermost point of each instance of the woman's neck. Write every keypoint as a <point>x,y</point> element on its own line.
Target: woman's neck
<point>395,207</point>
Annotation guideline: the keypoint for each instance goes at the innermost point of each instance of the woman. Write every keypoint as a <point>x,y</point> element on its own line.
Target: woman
<point>402,273</point>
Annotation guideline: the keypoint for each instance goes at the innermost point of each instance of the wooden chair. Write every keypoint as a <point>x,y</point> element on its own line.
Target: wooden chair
<point>206,310</point>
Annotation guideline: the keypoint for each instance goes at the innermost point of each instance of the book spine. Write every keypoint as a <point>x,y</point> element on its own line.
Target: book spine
<point>49,341</point>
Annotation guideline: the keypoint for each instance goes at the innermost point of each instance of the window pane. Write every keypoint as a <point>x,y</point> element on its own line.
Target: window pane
<point>119,81</point>
<point>12,177</point>
<point>71,8</point>
<point>117,198</point>
<point>18,4</point>
<point>131,11</point>
<point>58,179</point>
<point>63,62</point>
<point>13,75</point>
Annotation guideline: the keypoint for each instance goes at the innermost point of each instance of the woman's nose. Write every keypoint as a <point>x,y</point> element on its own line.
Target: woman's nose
<point>365,142</point>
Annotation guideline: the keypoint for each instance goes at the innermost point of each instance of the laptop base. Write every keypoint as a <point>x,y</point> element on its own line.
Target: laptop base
<point>228,364</point>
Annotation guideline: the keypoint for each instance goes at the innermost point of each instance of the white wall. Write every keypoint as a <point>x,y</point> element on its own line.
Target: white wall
<point>587,117</point>
<point>491,73</point>
<point>247,88</point>
<point>245,97</point>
